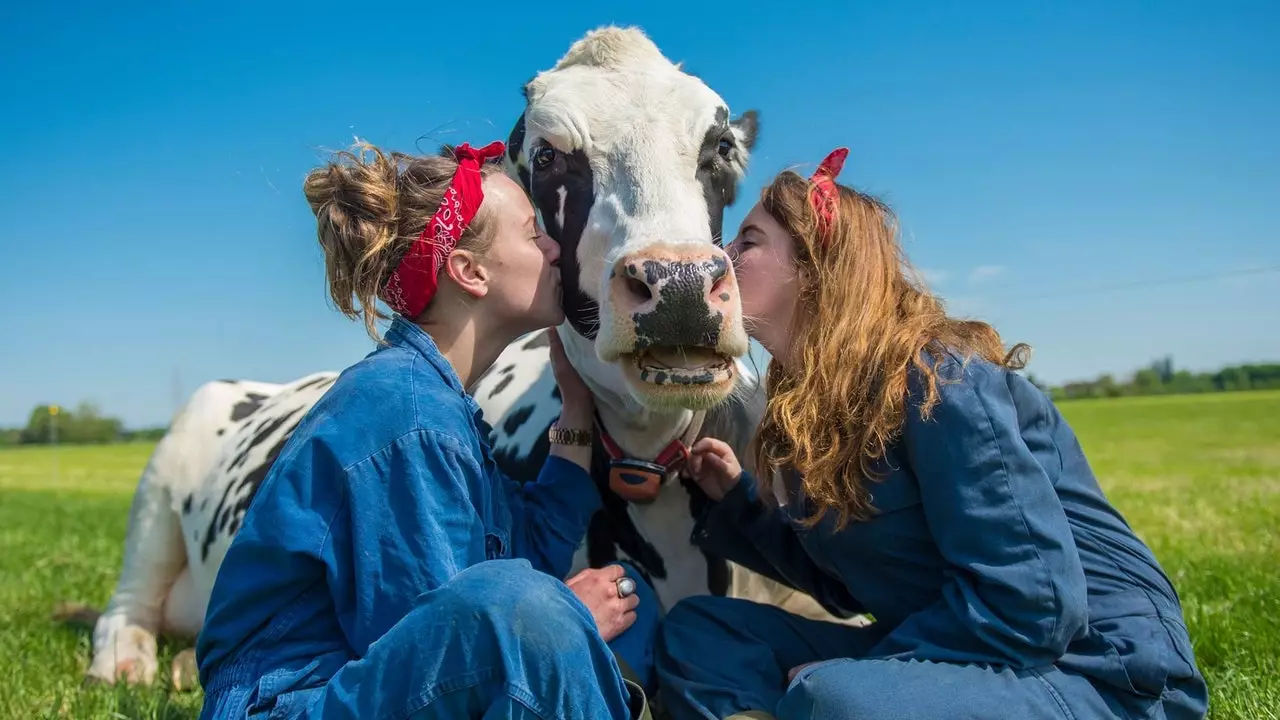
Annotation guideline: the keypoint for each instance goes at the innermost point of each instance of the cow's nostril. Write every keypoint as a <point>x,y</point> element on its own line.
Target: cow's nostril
<point>718,286</point>
<point>639,290</point>
<point>719,269</point>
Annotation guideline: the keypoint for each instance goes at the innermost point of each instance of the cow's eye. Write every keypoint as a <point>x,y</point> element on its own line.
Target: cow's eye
<point>543,156</point>
<point>726,147</point>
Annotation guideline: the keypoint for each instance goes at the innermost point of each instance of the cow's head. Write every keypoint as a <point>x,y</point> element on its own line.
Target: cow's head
<point>630,163</point>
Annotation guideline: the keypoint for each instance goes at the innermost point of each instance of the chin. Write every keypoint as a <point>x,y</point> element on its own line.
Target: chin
<point>668,378</point>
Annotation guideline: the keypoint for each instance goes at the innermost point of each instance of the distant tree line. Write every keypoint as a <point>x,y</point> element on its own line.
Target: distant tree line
<point>83,425</point>
<point>1161,378</point>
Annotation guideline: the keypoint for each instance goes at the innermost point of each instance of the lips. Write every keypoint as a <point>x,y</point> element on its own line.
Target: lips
<point>682,366</point>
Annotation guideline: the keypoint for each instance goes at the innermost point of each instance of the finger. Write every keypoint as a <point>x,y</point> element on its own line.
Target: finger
<point>631,602</point>
<point>627,620</point>
<point>717,465</point>
<point>695,466</point>
<point>612,572</point>
<point>702,445</point>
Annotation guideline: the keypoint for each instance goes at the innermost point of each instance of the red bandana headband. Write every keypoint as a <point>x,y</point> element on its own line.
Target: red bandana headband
<point>825,193</point>
<point>414,281</point>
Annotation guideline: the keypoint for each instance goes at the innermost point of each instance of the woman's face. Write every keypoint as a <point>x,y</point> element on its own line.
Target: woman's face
<point>763,256</point>
<point>524,285</point>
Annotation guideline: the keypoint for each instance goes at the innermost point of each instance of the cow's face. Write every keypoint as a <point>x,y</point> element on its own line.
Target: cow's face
<point>630,163</point>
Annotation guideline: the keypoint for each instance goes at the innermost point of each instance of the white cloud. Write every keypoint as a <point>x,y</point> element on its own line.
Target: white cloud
<point>983,273</point>
<point>934,277</point>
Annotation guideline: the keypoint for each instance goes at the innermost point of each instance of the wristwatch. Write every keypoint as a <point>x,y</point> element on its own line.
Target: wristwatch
<point>561,436</point>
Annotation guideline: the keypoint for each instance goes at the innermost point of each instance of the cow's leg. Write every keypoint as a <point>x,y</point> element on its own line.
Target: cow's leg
<point>155,553</point>
<point>184,607</point>
<point>124,638</point>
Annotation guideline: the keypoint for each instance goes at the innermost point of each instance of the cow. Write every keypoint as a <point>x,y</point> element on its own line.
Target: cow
<point>630,163</point>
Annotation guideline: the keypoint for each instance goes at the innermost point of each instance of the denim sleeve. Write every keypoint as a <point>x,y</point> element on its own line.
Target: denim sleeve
<point>1016,591</point>
<point>742,530</point>
<point>549,516</point>
<point>410,524</point>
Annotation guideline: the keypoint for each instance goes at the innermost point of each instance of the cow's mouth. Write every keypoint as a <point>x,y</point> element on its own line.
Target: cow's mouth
<point>681,366</point>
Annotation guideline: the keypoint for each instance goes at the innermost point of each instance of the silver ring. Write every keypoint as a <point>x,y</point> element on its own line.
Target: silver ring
<point>626,586</point>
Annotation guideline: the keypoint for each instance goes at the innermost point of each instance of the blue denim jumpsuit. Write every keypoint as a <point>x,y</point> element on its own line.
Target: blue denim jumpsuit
<point>1002,582</point>
<point>388,569</point>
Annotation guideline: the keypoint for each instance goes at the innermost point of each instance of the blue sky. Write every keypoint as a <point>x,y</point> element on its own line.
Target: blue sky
<point>155,234</point>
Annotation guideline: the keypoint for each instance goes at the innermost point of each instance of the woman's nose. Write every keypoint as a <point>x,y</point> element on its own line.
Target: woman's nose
<point>551,248</point>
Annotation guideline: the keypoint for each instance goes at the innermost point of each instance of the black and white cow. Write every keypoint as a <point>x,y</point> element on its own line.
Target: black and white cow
<point>630,163</point>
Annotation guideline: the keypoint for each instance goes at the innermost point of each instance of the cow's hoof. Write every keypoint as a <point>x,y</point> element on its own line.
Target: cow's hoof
<point>183,671</point>
<point>130,658</point>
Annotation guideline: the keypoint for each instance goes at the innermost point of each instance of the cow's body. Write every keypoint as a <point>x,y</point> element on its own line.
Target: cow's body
<point>608,205</point>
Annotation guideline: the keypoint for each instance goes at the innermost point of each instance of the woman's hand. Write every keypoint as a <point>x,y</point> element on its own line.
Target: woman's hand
<point>714,466</point>
<point>598,590</point>
<point>577,403</point>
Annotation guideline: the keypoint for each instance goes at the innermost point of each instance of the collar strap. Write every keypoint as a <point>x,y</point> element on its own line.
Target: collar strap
<point>414,281</point>
<point>639,481</point>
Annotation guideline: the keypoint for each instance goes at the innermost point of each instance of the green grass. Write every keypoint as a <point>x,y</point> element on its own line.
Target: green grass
<point>1197,476</point>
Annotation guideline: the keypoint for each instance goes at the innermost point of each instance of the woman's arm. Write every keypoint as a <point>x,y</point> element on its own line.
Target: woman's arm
<point>1016,594</point>
<point>738,527</point>
<point>550,515</point>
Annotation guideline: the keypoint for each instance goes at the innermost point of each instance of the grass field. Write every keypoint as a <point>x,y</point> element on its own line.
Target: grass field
<point>1197,476</point>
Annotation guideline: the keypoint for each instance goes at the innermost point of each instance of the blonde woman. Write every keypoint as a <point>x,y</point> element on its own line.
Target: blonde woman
<point>919,479</point>
<point>387,568</point>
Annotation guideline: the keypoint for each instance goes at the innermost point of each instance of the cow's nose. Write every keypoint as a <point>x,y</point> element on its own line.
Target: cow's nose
<point>677,289</point>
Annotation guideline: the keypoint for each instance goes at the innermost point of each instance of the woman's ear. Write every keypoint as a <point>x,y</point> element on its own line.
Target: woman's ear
<point>465,269</point>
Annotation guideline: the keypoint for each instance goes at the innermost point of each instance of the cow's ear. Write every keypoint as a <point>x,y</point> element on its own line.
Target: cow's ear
<point>746,127</point>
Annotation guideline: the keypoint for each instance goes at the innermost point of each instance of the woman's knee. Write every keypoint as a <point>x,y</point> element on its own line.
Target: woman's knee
<point>510,598</point>
<point>834,689</point>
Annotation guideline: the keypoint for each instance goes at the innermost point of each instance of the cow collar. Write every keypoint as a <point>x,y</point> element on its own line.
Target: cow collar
<point>639,481</point>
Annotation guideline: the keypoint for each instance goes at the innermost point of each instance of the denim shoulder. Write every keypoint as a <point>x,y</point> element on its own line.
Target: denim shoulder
<point>386,396</point>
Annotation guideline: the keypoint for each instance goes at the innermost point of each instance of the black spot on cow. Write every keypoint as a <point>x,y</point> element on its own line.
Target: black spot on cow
<point>569,172</point>
<point>508,369</point>
<point>221,431</point>
<point>681,316</point>
<point>516,419</point>
<point>315,382</point>
<point>186,505</point>
<point>265,430</point>
<point>502,385</point>
<point>248,406</point>
<point>541,339</point>
<point>228,382</point>
<point>248,485</point>
<point>524,469</point>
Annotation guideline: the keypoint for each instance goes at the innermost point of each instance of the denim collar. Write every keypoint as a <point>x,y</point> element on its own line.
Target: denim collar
<point>408,335</point>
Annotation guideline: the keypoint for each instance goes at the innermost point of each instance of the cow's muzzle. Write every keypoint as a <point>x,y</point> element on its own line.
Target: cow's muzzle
<point>675,319</point>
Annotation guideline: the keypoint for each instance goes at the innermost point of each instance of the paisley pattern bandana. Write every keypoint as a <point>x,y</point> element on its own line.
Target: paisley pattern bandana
<point>414,282</point>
